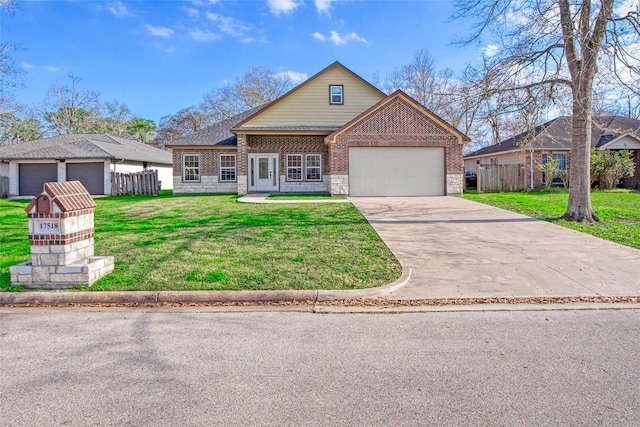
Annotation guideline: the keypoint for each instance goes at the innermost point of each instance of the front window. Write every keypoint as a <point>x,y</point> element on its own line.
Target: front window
<point>336,94</point>
<point>314,167</point>
<point>191,168</point>
<point>294,167</point>
<point>227,167</point>
<point>562,161</point>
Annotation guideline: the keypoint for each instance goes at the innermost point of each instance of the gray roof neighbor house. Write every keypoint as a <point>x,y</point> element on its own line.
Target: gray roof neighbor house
<point>85,146</point>
<point>88,158</point>
<point>556,134</point>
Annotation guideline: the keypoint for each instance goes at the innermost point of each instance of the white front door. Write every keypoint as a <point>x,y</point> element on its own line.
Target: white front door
<point>263,172</point>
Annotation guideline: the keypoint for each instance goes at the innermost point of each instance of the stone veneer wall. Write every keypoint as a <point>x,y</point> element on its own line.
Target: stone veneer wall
<point>339,185</point>
<point>304,186</point>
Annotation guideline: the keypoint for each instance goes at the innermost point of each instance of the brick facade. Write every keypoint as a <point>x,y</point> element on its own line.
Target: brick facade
<point>396,123</point>
<point>209,171</point>
<point>399,124</point>
<point>289,144</point>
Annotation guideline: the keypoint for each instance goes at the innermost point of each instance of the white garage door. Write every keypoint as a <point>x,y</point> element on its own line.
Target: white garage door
<point>396,171</point>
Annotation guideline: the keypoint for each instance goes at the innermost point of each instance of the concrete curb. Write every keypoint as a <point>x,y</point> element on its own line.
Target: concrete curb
<point>194,297</point>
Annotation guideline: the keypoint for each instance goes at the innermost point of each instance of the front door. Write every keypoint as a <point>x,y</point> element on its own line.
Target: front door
<point>263,172</point>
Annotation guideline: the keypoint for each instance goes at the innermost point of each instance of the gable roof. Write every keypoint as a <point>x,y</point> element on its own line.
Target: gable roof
<point>85,146</point>
<point>218,133</point>
<point>301,86</point>
<point>462,138</point>
<point>556,135</point>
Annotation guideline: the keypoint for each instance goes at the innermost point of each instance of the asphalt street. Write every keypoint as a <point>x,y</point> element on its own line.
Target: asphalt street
<point>199,366</point>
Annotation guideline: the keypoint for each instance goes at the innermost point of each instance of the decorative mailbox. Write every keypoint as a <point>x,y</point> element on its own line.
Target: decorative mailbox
<point>61,237</point>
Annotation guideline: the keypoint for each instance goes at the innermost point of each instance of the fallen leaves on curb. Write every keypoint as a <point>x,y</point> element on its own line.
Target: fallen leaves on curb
<point>369,302</point>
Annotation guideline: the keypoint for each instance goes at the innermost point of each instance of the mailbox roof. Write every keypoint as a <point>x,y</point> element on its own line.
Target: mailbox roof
<point>68,196</point>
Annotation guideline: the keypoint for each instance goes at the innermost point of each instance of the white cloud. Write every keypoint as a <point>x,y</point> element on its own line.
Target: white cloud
<point>283,6</point>
<point>27,66</point>
<point>227,24</point>
<point>203,35</point>
<point>490,50</point>
<point>346,38</point>
<point>323,6</point>
<point>338,39</point>
<point>160,31</point>
<point>170,49</point>
<point>51,68</point>
<point>193,13</point>
<point>118,9</point>
<point>294,76</point>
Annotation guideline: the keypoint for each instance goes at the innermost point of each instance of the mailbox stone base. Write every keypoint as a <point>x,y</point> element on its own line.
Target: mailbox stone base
<point>83,273</point>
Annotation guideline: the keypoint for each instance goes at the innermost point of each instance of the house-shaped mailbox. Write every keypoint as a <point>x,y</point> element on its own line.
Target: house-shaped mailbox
<point>61,238</point>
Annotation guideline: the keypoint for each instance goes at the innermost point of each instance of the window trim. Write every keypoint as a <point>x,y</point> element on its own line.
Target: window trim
<point>299,156</point>
<point>307,167</point>
<point>185,167</point>
<point>234,168</point>
<point>331,95</point>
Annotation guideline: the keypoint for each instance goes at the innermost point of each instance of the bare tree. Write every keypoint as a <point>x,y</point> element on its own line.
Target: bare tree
<point>553,43</point>
<point>11,74</point>
<point>256,87</point>
<point>67,109</point>
<point>183,123</point>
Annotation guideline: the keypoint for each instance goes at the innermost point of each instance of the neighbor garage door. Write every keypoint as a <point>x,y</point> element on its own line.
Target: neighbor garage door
<point>31,177</point>
<point>396,171</point>
<point>91,175</point>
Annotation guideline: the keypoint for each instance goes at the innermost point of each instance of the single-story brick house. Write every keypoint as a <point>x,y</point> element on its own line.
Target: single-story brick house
<point>552,140</point>
<point>334,133</point>
<point>88,158</point>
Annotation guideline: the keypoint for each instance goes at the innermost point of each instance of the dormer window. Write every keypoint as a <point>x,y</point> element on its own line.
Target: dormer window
<point>336,96</point>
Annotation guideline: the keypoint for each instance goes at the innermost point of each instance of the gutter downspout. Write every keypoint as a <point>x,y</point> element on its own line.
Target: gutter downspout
<point>531,167</point>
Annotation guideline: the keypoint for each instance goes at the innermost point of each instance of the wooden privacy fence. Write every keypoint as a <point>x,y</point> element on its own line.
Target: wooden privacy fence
<point>4,187</point>
<point>501,178</point>
<point>135,183</point>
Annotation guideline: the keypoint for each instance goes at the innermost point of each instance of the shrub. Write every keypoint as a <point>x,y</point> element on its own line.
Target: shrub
<point>608,167</point>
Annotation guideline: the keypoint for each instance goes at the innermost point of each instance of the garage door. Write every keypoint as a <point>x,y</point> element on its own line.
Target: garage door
<point>396,171</point>
<point>90,174</point>
<point>31,177</point>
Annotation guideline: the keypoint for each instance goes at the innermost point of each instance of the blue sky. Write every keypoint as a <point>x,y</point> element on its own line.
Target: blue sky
<point>160,56</point>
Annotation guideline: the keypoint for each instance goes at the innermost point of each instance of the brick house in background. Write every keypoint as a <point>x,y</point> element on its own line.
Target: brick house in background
<point>552,140</point>
<point>334,133</point>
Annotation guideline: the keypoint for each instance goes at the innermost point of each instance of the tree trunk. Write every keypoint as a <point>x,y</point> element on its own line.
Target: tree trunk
<point>579,208</point>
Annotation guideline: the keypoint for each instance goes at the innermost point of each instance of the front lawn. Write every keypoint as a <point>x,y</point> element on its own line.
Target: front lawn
<point>619,211</point>
<point>213,242</point>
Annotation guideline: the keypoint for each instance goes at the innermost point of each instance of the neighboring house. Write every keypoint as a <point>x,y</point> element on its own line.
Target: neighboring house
<point>88,158</point>
<point>334,133</point>
<point>552,140</point>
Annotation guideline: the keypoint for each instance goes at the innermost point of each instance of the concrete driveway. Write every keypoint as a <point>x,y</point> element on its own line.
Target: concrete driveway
<point>457,248</point>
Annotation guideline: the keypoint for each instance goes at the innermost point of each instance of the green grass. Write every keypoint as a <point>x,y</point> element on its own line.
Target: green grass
<point>304,196</point>
<point>213,242</point>
<point>618,210</point>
